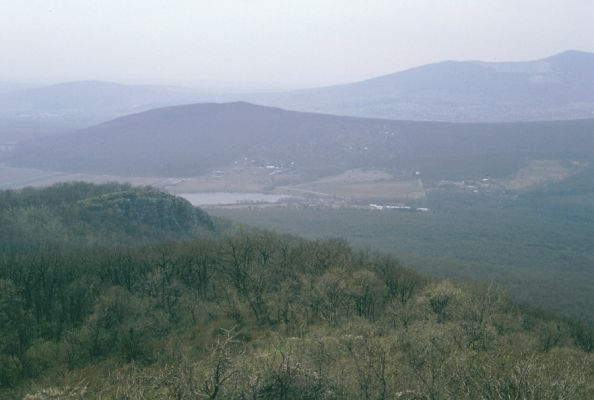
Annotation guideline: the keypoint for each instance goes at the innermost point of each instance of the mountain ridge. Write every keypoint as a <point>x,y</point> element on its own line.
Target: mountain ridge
<point>190,140</point>
<point>77,104</point>
<point>555,87</point>
<point>550,88</point>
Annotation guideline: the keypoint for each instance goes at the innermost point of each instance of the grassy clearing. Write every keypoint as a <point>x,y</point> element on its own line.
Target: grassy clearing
<point>360,184</point>
<point>540,172</point>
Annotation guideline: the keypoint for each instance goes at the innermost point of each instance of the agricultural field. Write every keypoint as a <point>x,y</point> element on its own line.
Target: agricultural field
<point>361,184</point>
<point>540,172</point>
<point>353,185</point>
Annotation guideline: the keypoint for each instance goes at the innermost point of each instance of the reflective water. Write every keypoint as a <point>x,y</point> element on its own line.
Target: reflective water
<point>220,198</point>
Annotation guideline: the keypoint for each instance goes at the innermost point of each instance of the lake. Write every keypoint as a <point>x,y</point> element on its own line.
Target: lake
<point>221,198</point>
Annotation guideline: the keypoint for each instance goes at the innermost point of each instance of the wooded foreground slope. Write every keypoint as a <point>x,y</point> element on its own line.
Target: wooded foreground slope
<point>80,213</point>
<point>258,315</point>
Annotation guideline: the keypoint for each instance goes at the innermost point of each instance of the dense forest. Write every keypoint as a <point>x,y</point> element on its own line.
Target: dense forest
<point>536,243</point>
<point>81,213</point>
<point>128,293</point>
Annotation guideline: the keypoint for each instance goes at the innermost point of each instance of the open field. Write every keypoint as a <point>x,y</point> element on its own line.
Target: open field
<point>248,179</point>
<point>539,172</point>
<point>360,184</point>
<point>396,190</point>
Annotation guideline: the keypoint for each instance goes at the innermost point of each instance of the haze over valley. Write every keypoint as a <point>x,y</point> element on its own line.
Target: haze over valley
<point>361,200</point>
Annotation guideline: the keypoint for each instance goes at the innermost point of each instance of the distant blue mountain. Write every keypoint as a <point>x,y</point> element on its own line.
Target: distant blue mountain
<point>79,104</point>
<point>7,87</point>
<point>558,87</point>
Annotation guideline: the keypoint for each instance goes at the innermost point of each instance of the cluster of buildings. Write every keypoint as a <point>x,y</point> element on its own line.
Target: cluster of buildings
<point>374,206</point>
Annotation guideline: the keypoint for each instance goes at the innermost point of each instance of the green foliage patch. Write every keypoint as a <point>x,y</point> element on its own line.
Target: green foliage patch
<point>252,314</point>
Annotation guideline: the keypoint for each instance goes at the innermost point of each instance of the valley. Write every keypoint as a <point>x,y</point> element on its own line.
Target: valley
<point>472,226</point>
<point>264,200</point>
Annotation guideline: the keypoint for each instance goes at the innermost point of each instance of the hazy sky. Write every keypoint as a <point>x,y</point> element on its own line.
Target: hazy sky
<point>274,43</point>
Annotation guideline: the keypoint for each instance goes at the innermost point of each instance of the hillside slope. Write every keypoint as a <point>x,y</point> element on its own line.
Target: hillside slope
<point>72,105</point>
<point>557,87</point>
<point>193,139</point>
<point>78,213</point>
<point>259,315</point>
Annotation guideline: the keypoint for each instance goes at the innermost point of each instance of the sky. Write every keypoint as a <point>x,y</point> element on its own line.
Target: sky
<point>274,44</point>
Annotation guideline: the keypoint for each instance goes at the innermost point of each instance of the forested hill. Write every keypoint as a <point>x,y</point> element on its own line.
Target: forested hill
<point>82,213</point>
<point>256,315</point>
<point>193,139</point>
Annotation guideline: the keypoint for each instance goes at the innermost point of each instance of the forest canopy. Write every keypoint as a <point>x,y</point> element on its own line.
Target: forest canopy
<point>199,311</point>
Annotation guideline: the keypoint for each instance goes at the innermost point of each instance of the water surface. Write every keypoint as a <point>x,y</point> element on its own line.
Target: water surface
<point>223,198</point>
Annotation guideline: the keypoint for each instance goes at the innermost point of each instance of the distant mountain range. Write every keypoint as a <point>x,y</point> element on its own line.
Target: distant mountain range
<point>558,87</point>
<point>81,104</point>
<point>193,139</point>
<point>7,87</point>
